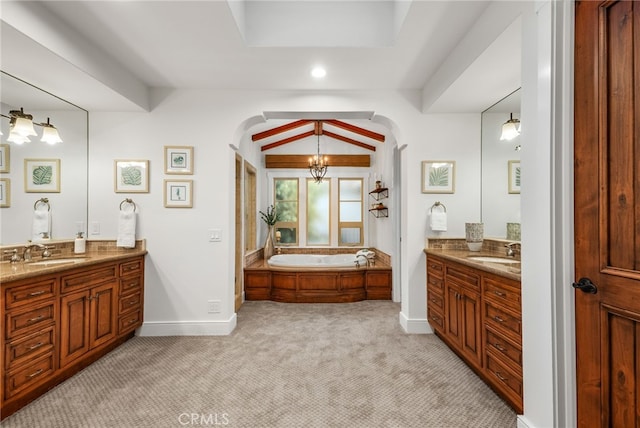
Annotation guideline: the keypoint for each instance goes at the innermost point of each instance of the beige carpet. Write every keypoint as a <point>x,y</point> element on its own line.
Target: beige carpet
<point>285,365</point>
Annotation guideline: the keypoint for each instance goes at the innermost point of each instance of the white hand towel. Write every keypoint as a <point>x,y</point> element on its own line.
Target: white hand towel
<point>126,229</point>
<point>438,222</point>
<point>41,222</point>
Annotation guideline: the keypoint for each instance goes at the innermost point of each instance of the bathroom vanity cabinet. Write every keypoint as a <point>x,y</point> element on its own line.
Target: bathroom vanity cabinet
<point>477,313</point>
<point>59,322</point>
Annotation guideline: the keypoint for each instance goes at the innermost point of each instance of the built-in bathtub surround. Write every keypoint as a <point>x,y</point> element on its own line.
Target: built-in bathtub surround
<point>474,234</point>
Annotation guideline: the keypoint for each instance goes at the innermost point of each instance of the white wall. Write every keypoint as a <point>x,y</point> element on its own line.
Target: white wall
<point>184,270</point>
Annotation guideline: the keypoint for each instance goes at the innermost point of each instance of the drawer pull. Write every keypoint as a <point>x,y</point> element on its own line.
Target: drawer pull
<point>435,318</point>
<point>37,293</point>
<point>36,319</point>
<point>502,378</point>
<point>34,374</point>
<point>132,302</point>
<point>497,318</point>
<point>499,347</point>
<point>499,293</point>
<point>36,346</point>
<point>131,321</point>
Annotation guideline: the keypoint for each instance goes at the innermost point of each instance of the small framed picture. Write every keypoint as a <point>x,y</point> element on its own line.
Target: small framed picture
<point>5,165</point>
<point>514,176</point>
<point>131,176</point>
<point>438,176</point>
<point>42,175</point>
<point>178,193</point>
<point>5,193</point>
<point>178,159</point>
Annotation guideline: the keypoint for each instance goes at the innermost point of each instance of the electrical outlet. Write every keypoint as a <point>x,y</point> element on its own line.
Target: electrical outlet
<point>213,306</point>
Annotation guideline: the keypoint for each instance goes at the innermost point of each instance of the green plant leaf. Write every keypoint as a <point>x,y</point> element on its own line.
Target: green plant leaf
<point>42,174</point>
<point>439,176</point>
<point>518,176</point>
<point>131,176</point>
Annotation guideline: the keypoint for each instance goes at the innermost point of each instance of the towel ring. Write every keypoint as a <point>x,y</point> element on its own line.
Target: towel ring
<point>128,201</point>
<point>438,204</point>
<point>44,201</point>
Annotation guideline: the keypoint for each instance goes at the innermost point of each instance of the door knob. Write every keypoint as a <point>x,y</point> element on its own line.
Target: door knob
<point>586,286</point>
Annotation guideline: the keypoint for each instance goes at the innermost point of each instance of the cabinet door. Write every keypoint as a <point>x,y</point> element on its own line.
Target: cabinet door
<point>471,338</point>
<point>74,326</point>
<point>452,314</point>
<point>102,318</point>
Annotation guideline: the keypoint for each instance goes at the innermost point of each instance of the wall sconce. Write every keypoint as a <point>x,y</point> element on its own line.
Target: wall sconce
<point>510,129</point>
<point>21,128</point>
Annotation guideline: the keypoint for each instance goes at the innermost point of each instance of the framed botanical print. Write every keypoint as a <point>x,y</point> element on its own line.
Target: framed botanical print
<point>42,175</point>
<point>178,193</point>
<point>5,165</point>
<point>514,176</point>
<point>131,176</point>
<point>438,176</point>
<point>5,193</point>
<point>178,159</point>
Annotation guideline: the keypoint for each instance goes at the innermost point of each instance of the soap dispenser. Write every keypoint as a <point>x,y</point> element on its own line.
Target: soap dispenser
<point>79,244</point>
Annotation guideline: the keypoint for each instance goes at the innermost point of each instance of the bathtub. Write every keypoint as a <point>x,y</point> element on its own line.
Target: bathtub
<point>313,260</point>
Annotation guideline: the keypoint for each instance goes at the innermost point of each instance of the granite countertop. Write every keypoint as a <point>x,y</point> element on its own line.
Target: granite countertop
<point>507,270</point>
<point>42,266</point>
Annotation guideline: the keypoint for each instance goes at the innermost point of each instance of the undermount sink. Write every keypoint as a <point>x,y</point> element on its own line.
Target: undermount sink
<point>492,259</point>
<point>56,261</point>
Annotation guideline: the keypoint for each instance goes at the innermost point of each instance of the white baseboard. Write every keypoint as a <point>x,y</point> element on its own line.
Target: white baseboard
<point>523,422</point>
<point>188,328</point>
<point>415,325</point>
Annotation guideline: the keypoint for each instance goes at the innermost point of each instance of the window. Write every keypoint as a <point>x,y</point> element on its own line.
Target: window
<point>318,212</point>
<point>350,222</point>
<point>286,204</point>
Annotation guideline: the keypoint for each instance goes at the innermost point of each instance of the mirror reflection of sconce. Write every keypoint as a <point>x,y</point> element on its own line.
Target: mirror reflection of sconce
<point>21,128</point>
<point>510,129</point>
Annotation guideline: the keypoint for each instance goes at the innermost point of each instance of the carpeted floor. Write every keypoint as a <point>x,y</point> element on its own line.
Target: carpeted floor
<point>285,365</point>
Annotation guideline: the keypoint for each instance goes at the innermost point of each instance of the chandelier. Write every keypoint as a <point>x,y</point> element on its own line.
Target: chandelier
<point>318,163</point>
<point>21,128</point>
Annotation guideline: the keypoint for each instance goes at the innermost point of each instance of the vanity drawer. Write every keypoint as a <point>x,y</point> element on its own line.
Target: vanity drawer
<point>21,322</point>
<point>23,350</point>
<point>129,322</point>
<point>435,267</point>
<point>28,376</point>
<point>435,299</point>
<point>503,346</point>
<point>505,379</point>
<point>502,320</point>
<point>132,267</point>
<point>502,293</point>
<point>435,318</point>
<point>464,277</point>
<point>129,303</point>
<point>88,278</point>
<point>28,293</point>
<point>130,285</point>
<point>435,283</point>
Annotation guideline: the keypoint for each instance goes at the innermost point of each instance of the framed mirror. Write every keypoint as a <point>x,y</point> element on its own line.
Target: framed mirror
<point>500,200</point>
<point>66,191</point>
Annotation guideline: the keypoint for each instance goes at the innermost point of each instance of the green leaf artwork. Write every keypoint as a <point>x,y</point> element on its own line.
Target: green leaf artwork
<point>42,174</point>
<point>518,176</point>
<point>439,176</point>
<point>178,160</point>
<point>131,176</point>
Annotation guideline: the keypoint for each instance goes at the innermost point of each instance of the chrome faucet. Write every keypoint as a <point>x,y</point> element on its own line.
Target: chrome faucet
<point>512,250</point>
<point>357,262</point>
<point>26,254</point>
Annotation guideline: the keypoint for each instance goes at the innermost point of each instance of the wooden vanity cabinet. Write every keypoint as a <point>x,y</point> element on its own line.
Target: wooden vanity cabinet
<point>478,315</point>
<point>54,325</point>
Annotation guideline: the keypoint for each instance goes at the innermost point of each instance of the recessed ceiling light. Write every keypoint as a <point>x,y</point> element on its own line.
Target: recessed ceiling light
<point>318,72</point>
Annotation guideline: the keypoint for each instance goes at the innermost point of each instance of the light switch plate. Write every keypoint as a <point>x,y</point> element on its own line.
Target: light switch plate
<point>215,235</point>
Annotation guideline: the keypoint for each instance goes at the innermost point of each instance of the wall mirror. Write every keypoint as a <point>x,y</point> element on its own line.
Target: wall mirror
<point>68,205</point>
<point>500,200</point>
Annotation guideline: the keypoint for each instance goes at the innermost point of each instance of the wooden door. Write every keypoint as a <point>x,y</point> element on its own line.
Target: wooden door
<point>102,318</point>
<point>607,212</point>
<point>74,326</point>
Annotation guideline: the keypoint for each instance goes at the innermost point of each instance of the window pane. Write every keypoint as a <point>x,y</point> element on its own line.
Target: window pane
<point>286,189</point>
<point>287,211</point>
<point>288,235</point>
<point>350,211</point>
<point>318,213</point>
<point>350,235</point>
<point>350,190</point>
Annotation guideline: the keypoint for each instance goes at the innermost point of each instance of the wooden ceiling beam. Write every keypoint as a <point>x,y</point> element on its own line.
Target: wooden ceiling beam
<point>280,129</point>
<point>302,161</point>
<point>287,140</point>
<point>349,140</point>
<point>356,129</point>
